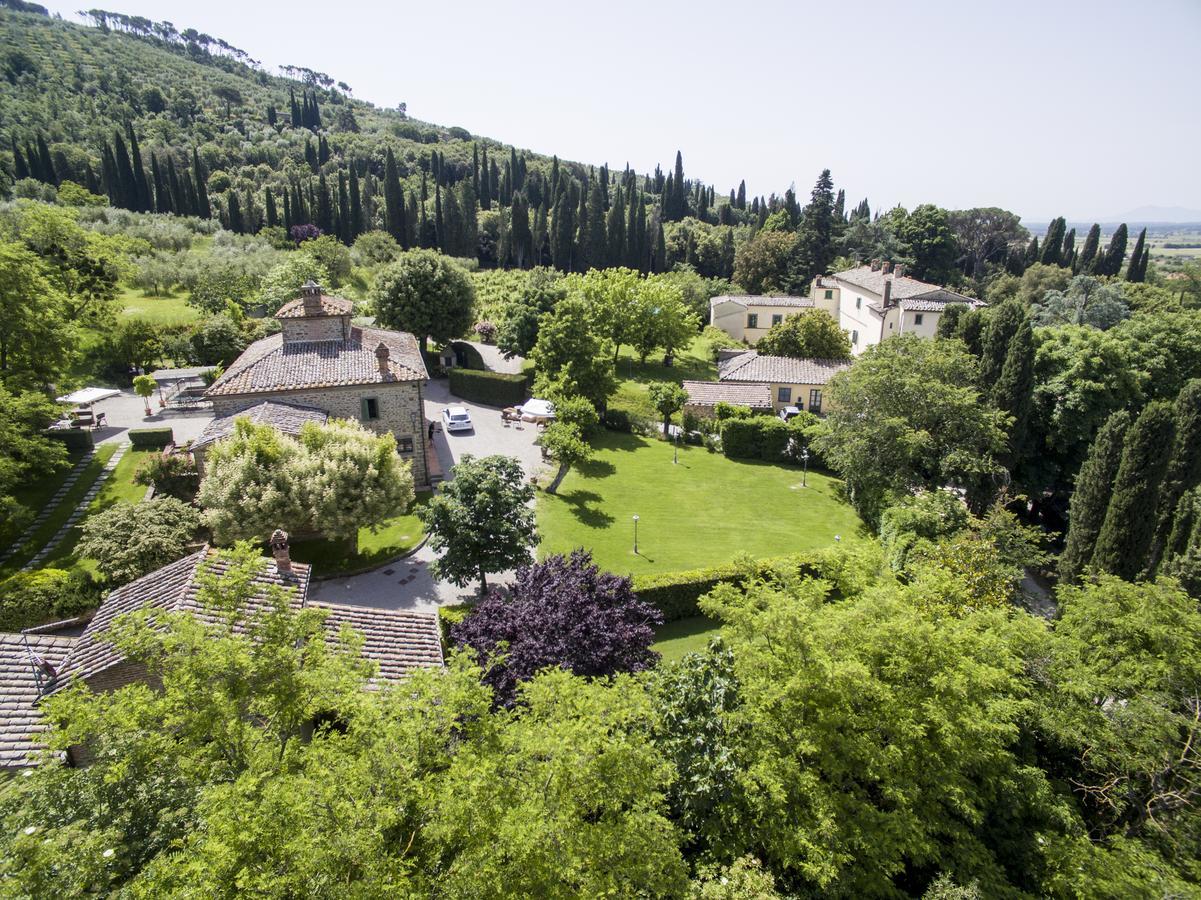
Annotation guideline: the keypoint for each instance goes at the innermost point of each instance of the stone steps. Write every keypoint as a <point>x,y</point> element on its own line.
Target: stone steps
<point>51,505</point>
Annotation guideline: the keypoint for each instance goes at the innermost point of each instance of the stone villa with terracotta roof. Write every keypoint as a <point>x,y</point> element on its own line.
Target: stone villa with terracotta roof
<point>877,301</point>
<point>42,661</point>
<point>321,362</point>
<point>747,317</point>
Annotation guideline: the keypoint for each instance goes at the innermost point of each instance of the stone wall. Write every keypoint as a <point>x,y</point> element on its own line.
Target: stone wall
<point>315,328</point>
<point>401,412</point>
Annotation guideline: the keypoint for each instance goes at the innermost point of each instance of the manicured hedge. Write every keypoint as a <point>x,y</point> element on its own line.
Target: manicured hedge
<point>675,594</point>
<point>759,437</point>
<point>151,437</point>
<point>489,388</point>
<point>45,595</point>
<point>74,438</point>
<point>448,617</point>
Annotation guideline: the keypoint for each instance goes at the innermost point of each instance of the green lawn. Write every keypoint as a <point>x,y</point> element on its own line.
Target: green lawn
<point>35,495</point>
<point>63,511</point>
<point>396,537</point>
<point>683,636</point>
<point>701,512</point>
<point>635,378</point>
<point>170,310</point>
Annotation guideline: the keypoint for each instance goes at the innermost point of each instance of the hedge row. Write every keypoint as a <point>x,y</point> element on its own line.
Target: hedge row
<point>448,617</point>
<point>74,438</point>
<point>759,437</point>
<point>151,437</point>
<point>45,595</point>
<point>675,594</point>
<point>489,388</point>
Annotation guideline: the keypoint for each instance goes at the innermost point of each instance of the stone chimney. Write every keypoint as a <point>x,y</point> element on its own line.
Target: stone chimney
<point>311,292</point>
<point>875,265</point>
<point>381,356</point>
<point>279,549</point>
<point>817,282</point>
<point>887,302</point>
<point>885,267</point>
<point>899,270</point>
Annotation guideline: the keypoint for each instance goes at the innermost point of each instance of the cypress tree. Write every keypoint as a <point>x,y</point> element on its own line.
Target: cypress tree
<point>1136,258</point>
<point>1088,253</point>
<point>679,199</point>
<point>1053,242</point>
<point>203,209</point>
<point>288,220</point>
<point>393,200</point>
<point>20,168</point>
<point>1115,253</point>
<point>310,156</point>
<point>234,213</point>
<point>315,112</point>
<point>1068,256</point>
<point>562,236</point>
<point>1184,467</point>
<point>475,167</point>
<point>630,259</point>
<point>659,261</point>
<point>345,233</point>
<point>520,236</point>
<point>1014,392</point>
<point>414,216</point>
<point>128,185</point>
<point>294,107</point>
<point>1032,253</point>
<point>272,117</point>
<point>179,201</point>
<point>541,237</point>
<point>1006,320</point>
<point>272,214</point>
<point>46,162</point>
<point>145,201</point>
<point>162,200</point>
<point>91,182</point>
<point>580,253</point>
<point>322,150</point>
<point>597,251</point>
<point>470,239</point>
<point>325,212</point>
<point>356,204</point>
<point>1124,542</point>
<point>439,218</point>
<point>493,182</point>
<point>604,183</point>
<point>110,175</point>
<point>1090,499</point>
<point>616,228</point>
<point>452,218</point>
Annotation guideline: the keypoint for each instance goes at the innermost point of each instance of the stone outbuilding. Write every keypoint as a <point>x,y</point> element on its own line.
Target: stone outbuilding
<point>321,361</point>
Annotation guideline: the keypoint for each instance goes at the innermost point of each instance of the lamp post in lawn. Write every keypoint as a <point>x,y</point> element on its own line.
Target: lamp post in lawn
<point>805,474</point>
<point>635,534</point>
<point>676,457</point>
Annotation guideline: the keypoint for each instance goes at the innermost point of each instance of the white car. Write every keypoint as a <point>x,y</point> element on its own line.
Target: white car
<point>456,418</point>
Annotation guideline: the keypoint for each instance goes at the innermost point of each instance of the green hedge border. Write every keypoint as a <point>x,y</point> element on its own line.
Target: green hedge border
<point>151,437</point>
<point>489,388</point>
<point>675,594</point>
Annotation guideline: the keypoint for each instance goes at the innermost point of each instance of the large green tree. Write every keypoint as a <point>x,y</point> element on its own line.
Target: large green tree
<point>481,521</point>
<point>1090,499</point>
<point>810,334</point>
<point>425,293</point>
<point>569,358</point>
<point>35,337</point>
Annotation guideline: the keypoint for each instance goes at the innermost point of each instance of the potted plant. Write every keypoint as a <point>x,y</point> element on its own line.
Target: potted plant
<point>143,386</point>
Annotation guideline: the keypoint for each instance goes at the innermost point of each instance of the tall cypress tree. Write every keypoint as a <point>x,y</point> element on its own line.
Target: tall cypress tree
<point>470,239</point>
<point>485,189</point>
<point>580,253</point>
<point>679,202</point>
<point>1090,499</point>
<point>109,175</point>
<point>20,167</point>
<point>1068,256</point>
<point>520,235</point>
<point>616,228</point>
<point>272,213</point>
<point>128,184</point>
<point>562,237</point>
<point>289,221</point>
<point>325,210</point>
<point>1006,320</point>
<point>1053,242</point>
<point>1088,253</point>
<point>46,162</point>
<point>345,234</point>
<point>1184,467</point>
<point>1136,258</point>
<point>393,200</point>
<point>439,218</point>
<point>451,235</point>
<point>203,209</point>
<point>597,244</point>
<point>1124,544</point>
<point>322,150</point>
<point>145,201</point>
<point>179,200</point>
<point>1115,253</point>
<point>234,213</point>
<point>356,203</point>
<point>294,107</point>
<point>162,199</point>
<point>1014,393</point>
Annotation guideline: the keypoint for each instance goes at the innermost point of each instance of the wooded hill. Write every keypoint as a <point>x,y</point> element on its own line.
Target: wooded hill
<point>173,120</point>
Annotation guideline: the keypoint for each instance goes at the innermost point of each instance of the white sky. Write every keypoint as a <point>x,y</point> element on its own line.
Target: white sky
<point>1082,108</point>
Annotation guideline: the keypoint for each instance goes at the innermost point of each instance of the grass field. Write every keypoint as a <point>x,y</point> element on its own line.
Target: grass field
<point>396,537</point>
<point>634,378</point>
<point>683,636</point>
<point>170,310</point>
<point>701,512</point>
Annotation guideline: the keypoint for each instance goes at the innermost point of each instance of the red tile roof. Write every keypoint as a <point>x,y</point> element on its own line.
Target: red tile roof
<point>328,306</point>
<point>21,721</point>
<point>397,640</point>
<point>710,393</point>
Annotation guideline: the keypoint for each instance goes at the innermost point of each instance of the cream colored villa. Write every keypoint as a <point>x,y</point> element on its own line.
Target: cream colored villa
<point>748,318</point>
<point>320,365</point>
<point>876,301</point>
<point>790,382</point>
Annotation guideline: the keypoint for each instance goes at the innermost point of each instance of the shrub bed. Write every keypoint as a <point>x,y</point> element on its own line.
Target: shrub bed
<point>74,438</point>
<point>143,438</point>
<point>448,617</point>
<point>489,388</point>
<point>46,595</point>
<point>759,437</point>
<point>675,594</point>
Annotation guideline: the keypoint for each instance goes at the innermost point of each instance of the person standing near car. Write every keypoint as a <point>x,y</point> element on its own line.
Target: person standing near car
<point>433,427</point>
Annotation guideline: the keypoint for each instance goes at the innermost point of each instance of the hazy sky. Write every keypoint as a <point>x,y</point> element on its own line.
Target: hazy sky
<point>1046,107</point>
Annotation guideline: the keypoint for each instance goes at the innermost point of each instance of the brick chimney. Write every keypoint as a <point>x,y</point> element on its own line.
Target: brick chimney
<point>875,265</point>
<point>311,292</point>
<point>899,270</point>
<point>886,267</point>
<point>279,549</point>
<point>817,281</point>
<point>887,302</point>
<point>381,356</point>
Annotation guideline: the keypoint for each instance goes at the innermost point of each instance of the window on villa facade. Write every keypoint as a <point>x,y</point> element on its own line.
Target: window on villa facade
<point>752,320</point>
<point>776,319</point>
<point>917,319</point>
<point>829,295</point>
<point>369,409</point>
<point>858,302</point>
<point>785,395</point>
<point>815,401</point>
<point>404,444</point>
<point>854,338</point>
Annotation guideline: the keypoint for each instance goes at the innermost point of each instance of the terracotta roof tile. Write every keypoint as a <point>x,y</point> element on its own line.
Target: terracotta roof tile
<point>756,395</point>
<point>21,721</point>
<point>329,306</point>
<point>283,416</point>
<point>750,366</point>
<point>271,364</point>
<point>397,640</point>
<point>903,287</point>
<point>751,300</point>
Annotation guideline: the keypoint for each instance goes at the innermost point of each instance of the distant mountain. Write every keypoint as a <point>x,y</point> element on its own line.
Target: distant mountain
<point>1146,214</point>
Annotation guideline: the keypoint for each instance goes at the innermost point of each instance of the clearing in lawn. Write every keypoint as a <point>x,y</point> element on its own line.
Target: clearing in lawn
<point>700,512</point>
<point>172,309</point>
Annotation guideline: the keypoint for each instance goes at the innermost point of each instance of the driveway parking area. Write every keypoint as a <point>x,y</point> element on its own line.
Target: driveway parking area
<point>488,436</point>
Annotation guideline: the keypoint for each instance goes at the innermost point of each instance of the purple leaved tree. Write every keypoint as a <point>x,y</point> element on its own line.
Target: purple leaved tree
<point>306,232</point>
<point>561,612</point>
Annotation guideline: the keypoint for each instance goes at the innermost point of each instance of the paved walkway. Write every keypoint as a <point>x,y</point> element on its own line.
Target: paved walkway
<point>495,360</point>
<point>81,509</point>
<point>51,505</point>
<point>127,410</point>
